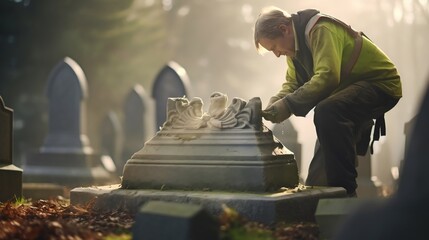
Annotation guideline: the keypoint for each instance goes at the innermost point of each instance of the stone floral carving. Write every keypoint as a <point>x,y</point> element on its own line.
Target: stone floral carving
<point>185,114</point>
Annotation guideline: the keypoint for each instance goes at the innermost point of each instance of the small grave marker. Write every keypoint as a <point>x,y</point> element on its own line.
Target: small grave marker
<point>10,175</point>
<point>159,220</point>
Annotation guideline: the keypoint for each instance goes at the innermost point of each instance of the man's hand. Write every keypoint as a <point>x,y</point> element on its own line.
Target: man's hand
<point>277,112</point>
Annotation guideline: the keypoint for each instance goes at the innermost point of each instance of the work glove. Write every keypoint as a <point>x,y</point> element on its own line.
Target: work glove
<point>277,112</point>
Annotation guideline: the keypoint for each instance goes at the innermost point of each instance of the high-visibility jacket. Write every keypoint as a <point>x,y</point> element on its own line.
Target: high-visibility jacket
<point>317,69</point>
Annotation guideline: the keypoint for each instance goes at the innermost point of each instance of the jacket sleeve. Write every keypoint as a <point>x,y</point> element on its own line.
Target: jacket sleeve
<point>326,45</point>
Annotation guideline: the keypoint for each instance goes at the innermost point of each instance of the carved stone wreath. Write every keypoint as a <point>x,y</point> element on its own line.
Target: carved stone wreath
<point>185,114</point>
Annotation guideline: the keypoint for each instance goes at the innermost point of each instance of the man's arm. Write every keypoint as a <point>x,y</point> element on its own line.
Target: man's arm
<point>326,43</point>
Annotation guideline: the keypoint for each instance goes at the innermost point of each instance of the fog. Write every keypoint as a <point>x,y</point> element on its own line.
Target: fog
<point>212,40</point>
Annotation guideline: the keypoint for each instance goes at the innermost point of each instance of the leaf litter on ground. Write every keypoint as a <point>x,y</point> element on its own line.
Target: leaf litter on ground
<point>57,219</point>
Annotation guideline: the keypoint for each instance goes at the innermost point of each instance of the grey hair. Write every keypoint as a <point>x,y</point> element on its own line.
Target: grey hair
<point>266,26</point>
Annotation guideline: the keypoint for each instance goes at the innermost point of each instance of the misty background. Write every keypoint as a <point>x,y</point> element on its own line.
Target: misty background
<point>120,43</point>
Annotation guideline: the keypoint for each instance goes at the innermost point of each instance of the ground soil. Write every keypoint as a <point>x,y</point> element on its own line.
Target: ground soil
<point>57,219</point>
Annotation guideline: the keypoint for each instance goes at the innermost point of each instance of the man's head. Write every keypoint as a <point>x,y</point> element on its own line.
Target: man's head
<point>274,32</point>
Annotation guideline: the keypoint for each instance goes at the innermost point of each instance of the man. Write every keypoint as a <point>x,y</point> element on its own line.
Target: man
<point>345,77</point>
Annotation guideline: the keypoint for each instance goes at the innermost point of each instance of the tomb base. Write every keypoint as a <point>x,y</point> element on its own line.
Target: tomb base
<point>10,183</point>
<point>245,160</point>
<point>293,205</point>
<point>68,169</point>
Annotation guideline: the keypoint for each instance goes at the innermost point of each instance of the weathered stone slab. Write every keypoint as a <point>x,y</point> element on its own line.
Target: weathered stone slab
<point>158,220</point>
<point>268,208</point>
<point>10,175</point>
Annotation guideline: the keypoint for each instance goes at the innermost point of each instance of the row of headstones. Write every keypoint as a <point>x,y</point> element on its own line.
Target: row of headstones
<point>143,115</point>
<point>66,157</point>
<point>67,93</point>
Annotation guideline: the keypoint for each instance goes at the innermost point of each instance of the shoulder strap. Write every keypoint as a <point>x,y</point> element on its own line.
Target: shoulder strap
<point>309,26</point>
<point>345,71</point>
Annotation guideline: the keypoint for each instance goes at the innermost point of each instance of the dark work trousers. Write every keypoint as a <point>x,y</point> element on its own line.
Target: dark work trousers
<point>339,119</point>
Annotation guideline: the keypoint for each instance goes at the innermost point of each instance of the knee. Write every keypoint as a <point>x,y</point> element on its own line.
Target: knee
<point>324,114</point>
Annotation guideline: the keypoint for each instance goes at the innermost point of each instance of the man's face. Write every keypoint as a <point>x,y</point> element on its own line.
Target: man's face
<point>283,45</point>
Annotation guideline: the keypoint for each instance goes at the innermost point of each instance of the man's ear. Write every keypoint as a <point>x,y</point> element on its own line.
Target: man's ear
<point>284,28</point>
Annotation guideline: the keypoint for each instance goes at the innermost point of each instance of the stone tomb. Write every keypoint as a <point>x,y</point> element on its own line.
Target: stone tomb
<point>10,175</point>
<point>223,156</point>
<point>224,149</point>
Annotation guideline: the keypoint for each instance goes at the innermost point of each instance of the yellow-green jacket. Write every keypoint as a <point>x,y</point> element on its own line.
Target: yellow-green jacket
<point>331,46</point>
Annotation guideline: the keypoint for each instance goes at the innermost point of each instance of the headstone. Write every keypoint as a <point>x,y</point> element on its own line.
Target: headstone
<point>10,175</point>
<point>112,140</point>
<point>316,171</point>
<point>408,126</point>
<point>139,123</point>
<point>159,220</point>
<point>331,212</point>
<point>66,156</point>
<point>286,133</point>
<point>367,187</point>
<point>397,170</point>
<point>171,81</point>
<point>67,92</point>
<point>226,148</point>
